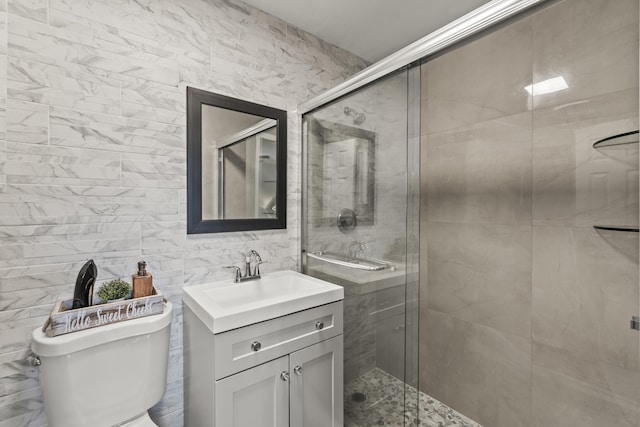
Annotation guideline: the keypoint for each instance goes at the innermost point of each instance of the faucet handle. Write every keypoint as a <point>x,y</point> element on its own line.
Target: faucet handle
<point>238,272</point>
<point>255,253</point>
<point>256,270</point>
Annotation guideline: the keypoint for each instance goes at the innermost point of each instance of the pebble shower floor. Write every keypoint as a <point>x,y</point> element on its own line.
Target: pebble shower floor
<point>384,405</point>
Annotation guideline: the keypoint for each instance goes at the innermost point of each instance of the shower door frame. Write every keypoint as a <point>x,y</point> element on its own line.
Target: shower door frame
<point>484,17</point>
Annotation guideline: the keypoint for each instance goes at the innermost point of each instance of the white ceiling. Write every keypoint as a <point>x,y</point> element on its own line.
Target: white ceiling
<point>372,29</point>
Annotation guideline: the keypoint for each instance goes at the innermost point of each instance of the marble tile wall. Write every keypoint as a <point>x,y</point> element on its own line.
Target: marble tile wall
<point>525,307</point>
<point>92,154</point>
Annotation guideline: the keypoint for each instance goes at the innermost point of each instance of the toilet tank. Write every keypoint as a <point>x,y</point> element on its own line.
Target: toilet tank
<point>105,375</point>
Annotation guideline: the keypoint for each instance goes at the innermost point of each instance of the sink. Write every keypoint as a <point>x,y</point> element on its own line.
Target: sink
<point>227,305</point>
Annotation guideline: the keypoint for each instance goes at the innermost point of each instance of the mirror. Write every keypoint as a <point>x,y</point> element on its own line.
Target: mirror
<point>345,156</point>
<point>236,164</point>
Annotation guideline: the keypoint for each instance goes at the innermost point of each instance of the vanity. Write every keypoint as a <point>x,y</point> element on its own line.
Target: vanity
<point>266,352</point>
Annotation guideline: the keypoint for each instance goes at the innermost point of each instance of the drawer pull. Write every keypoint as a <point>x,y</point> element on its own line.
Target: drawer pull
<point>319,325</point>
<point>298,370</point>
<point>284,376</point>
<point>255,346</point>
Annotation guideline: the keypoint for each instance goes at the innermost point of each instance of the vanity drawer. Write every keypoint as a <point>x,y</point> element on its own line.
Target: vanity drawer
<point>252,345</point>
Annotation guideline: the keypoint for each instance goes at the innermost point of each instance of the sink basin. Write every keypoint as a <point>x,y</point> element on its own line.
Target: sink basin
<point>226,305</point>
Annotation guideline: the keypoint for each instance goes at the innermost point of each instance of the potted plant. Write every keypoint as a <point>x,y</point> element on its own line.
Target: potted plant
<point>114,290</point>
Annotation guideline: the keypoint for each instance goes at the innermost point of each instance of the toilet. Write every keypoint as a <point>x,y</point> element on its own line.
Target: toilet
<point>105,376</point>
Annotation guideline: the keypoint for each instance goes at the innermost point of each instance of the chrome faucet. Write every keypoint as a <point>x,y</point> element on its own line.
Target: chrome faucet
<point>256,255</point>
<point>248,274</point>
<point>356,248</point>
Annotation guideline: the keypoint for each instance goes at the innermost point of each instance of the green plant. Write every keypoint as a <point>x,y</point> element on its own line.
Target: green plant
<point>114,289</point>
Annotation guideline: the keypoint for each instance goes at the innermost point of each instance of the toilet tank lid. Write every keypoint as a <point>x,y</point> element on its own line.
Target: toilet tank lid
<point>46,346</point>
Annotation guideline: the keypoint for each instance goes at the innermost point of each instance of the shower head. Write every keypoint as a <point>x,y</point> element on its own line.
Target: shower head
<point>358,118</point>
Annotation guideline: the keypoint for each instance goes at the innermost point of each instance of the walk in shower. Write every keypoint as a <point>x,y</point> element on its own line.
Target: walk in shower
<point>479,206</point>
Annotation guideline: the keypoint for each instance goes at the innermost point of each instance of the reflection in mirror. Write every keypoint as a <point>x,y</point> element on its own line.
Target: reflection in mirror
<point>345,156</point>
<point>248,176</point>
<point>236,165</point>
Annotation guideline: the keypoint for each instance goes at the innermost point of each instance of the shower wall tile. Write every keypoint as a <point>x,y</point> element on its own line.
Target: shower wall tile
<point>595,48</point>
<point>475,312</point>
<point>454,97</point>
<point>575,184</point>
<point>481,274</point>
<point>585,290</point>
<point>585,282</point>
<point>593,45</point>
<point>391,347</point>
<point>480,173</point>
<point>93,159</point>
<point>359,353</point>
<point>482,373</point>
<point>572,391</point>
<point>359,329</point>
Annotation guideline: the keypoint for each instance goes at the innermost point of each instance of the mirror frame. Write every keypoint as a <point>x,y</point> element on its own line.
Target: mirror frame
<point>195,224</point>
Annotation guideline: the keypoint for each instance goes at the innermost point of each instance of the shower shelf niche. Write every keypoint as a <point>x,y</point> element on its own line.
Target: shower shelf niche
<point>621,139</point>
<point>617,228</point>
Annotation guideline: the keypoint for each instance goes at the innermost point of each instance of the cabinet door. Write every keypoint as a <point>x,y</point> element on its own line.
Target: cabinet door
<point>316,385</point>
<point>257,397</point>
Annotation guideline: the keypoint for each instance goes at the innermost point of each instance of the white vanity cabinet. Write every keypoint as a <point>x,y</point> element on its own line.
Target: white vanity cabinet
<point>296,390</point>
<point>281,372</point>
<point>316,385</point>
<point>257,396</point>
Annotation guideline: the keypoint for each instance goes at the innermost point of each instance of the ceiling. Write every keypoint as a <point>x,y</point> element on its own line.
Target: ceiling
<point>372,29</point>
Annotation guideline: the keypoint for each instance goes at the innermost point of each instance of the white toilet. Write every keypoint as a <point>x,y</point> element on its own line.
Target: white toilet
<point>105,376</point>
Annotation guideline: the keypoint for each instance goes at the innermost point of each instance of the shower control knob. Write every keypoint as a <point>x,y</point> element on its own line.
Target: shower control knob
<point>297,370</point>
<point>319,325</point>
<point>255,346</point>
<point>284,376</point>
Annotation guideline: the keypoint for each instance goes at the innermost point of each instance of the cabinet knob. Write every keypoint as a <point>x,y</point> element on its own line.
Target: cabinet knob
<point>255,346</point>
<point>319,325</point>
<point>284,376</point>
<point>298,370</point>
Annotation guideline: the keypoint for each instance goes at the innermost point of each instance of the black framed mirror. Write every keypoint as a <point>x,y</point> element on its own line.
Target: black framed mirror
<point>236,164</point>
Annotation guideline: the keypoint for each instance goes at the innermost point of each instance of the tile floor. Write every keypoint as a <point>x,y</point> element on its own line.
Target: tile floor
<point>383,404</point>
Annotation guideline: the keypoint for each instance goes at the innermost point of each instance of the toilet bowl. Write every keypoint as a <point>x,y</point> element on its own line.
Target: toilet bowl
<point>105,376</point>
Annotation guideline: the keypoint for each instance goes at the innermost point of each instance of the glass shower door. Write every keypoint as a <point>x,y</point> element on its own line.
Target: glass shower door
<point>357,232</point>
